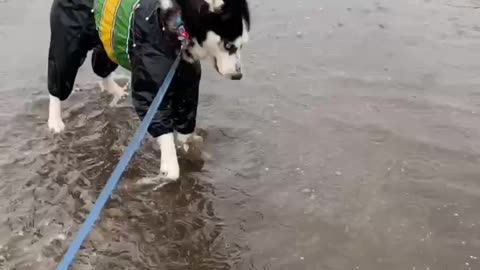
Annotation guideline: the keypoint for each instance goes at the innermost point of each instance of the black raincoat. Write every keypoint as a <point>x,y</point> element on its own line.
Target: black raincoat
<point>151,52</point>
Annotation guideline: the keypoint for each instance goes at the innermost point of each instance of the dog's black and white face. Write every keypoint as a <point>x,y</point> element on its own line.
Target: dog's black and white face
<point>219,33</point>
<point>225,50</point>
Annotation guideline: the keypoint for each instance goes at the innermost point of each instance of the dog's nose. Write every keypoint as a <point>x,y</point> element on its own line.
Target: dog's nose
<point>237,76</point>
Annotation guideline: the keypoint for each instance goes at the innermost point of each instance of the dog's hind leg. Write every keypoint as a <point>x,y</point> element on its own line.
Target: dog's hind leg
<point>69,45</point>
<point>118,92</point>
<point>55,122</point>
<point>104,68</point>
<point>63,64</point>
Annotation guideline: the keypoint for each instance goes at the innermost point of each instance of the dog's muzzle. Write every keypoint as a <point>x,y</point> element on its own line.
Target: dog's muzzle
<point>236,77</point>
<point>238,73</point>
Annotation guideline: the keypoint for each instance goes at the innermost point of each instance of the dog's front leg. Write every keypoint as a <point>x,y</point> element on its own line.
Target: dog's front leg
<point>169,168</point>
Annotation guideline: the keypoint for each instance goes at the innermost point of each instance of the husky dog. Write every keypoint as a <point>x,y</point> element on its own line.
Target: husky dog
<point>141,36</point>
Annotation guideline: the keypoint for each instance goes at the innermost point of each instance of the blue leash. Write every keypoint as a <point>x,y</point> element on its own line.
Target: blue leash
<point>112,182</point>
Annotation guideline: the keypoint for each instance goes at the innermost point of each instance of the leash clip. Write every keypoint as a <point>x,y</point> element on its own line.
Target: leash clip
<point>181,32</point>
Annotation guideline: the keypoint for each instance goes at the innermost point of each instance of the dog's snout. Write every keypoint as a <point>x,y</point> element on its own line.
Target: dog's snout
<point>237,76</point>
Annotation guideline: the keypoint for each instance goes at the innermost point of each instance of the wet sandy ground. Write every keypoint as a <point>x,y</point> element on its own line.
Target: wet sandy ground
<point>352,143</point>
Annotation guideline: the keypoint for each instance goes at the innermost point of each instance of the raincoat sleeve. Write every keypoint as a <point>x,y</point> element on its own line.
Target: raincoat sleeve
<point>151,56</point>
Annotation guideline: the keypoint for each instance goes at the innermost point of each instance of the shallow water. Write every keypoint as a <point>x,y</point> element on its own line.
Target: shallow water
<point>352,143</point>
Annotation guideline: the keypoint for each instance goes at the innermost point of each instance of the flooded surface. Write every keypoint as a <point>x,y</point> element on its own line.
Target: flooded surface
<point>352,143</point>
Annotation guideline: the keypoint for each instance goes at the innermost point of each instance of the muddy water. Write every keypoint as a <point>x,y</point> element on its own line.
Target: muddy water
<point>353,143</point>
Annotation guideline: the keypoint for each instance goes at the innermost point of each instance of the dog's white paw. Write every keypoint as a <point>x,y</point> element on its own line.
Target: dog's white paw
<point>56,125</point>
<point>118,92</point>
<point>169,168</point>
<point>197,138</point>
<point>183,140</point>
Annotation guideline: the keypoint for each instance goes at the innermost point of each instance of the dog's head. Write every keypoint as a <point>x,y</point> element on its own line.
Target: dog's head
<point>219,32</point>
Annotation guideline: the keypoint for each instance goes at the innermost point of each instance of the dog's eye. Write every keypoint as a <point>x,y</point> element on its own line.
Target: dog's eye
<point>230,48</point>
